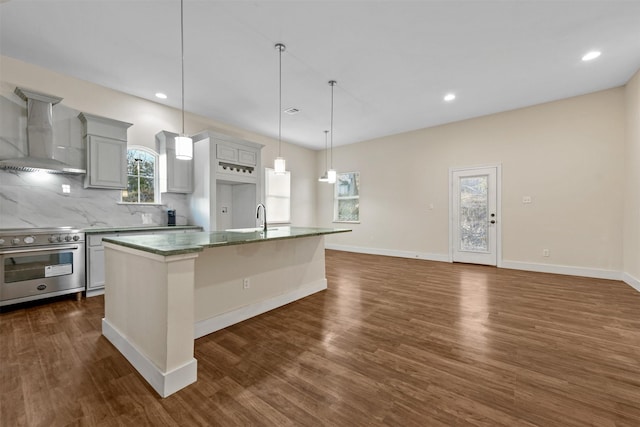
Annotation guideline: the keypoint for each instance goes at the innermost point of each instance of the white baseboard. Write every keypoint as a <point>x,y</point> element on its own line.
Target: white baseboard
<point>631,281</point>
<point>563,269</point>
<point>94,292</point>
<point>164,383</point>
<point>207,326</point>
<point>596,273</point>
<point>389,252</point>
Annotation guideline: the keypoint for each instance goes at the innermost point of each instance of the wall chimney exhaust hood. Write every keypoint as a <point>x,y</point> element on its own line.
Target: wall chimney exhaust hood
<point>39,137</point>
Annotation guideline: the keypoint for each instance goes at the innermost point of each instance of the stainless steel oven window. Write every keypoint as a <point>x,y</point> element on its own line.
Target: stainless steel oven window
<point>21,267</point>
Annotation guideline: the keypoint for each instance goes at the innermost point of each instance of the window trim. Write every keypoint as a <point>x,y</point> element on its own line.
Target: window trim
<point>336,199</point>
<point>156,177</point>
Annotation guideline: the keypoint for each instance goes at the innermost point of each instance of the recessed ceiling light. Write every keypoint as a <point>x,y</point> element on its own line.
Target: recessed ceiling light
<point>591,55</point>
<point>161,95</point>
<point>449,97</point>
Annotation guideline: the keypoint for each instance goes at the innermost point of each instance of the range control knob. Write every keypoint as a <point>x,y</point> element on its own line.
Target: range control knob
<point>29,240</point>
<point>67,238</point>
<point>1,241</point>
<point>76,237</point>
<point>59,239</point>
<point>15,241</point>
<point>52,239</point>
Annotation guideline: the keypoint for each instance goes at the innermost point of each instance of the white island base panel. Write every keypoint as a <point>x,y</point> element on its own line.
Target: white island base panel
<point>155,306</point>
<point>278,272</point>
<point>164,383</point>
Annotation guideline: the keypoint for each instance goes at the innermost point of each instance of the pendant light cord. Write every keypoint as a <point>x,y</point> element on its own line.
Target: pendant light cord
<point>326,152</point>
<point>280,48</point>
<point>182,56</point>
<point>332,83</point>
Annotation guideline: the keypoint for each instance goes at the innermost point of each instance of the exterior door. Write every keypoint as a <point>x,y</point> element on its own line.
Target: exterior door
<point>474,215</point>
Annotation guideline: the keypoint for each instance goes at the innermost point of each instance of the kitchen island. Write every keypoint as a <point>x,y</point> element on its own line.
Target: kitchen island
<point>164,291</point>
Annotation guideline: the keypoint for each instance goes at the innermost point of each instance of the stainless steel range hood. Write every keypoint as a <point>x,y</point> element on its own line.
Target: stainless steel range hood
<point>39,137</point>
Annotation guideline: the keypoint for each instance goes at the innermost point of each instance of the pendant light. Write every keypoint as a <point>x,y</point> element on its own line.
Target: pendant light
<point>184,144</point>
<point>331,173</point>
<point>279,165</point>
<point>325,177</point>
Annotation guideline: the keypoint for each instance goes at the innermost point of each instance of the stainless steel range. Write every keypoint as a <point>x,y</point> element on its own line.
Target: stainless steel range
<point>39,263</point>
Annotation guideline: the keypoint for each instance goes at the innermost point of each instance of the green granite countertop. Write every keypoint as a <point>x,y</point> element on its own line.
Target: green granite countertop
<point>125,228</point>
<point>184,243</point>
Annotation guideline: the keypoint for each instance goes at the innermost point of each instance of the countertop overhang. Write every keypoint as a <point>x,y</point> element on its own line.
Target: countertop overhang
<point>184,243</point>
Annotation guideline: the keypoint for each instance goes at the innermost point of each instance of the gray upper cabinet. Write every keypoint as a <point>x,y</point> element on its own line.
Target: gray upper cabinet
<point>176,175</point>
<point>106,146</point>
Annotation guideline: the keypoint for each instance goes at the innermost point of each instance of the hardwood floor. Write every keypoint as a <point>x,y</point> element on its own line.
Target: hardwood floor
<point>391,342</point>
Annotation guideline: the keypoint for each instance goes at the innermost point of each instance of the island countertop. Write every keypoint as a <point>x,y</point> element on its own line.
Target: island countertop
<point>177,244</point>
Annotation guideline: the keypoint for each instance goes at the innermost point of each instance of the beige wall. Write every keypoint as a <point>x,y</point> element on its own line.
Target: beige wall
<point>567,156</point>
<point>632,182</point>
<point>571,156</point>
<point>149,118</point>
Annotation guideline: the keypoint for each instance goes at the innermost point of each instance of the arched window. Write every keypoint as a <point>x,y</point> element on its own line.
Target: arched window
<point>142,176</point>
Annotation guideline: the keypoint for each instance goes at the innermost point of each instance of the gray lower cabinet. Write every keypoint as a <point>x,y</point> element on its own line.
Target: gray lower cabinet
<point>95,256</point>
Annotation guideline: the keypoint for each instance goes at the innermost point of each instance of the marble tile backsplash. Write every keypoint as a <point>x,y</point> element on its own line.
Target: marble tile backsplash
<point>32,199</point>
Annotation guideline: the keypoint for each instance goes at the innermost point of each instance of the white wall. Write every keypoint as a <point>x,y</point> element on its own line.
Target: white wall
<point>148,118</point>
<point>567,156</point>
<point>632,184</point>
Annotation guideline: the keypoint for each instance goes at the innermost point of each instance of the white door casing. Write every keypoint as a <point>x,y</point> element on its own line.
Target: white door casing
<point>475,215</point>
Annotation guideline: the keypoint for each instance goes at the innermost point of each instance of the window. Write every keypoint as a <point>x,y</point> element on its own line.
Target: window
<point>277,189</point>
<point>346,207</point>
<point>141,176</point>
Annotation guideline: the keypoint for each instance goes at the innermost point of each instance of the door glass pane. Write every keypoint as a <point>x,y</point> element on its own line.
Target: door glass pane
<point>474,214</point>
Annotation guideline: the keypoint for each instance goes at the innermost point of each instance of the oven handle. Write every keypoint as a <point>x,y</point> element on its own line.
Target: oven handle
<point>49,249</point>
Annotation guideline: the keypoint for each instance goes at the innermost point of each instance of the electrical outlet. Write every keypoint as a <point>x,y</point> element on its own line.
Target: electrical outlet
<point>147,218</point>
<point>545,252</point>
<point>526,199</point>
<point>245,283</point>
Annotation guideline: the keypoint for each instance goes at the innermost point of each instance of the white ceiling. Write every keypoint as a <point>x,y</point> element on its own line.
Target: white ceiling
<point>393,60</point>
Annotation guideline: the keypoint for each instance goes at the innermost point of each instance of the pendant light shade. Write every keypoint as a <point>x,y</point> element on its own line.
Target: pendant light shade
<point>331,173</point>
<point>279,165</point>
<point>184,144</point>
<point>184,147</point>
<point>331,176</point>
<point>325,176</point>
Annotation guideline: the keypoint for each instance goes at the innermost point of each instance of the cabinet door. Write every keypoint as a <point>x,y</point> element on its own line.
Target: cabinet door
<point>107,160</point>
<point>247,157</point>
<point>179,173</point>
<point>95,263</point>
<point>224,152</point>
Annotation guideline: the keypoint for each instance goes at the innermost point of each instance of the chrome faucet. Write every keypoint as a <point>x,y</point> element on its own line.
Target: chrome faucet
<point>264,211</point>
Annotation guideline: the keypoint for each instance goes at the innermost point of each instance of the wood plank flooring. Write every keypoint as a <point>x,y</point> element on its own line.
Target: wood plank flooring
<point>393,341</point>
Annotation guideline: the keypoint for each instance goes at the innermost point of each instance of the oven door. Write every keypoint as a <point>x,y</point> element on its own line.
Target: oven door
<point>34,273</point>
